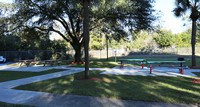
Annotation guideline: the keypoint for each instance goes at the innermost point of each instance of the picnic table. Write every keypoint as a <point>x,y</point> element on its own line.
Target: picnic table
<point>172,63</point>
<point>51,62</point>
<point>26,62</point>
<point>132,61</point>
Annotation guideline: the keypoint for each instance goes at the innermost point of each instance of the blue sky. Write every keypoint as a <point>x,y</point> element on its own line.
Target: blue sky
<point>169,21</point>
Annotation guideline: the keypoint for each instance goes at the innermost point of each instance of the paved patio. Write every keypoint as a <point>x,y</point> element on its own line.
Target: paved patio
<point>160,71</point>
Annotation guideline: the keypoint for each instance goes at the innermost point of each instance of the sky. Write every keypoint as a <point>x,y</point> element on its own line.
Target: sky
<point>168,20</point>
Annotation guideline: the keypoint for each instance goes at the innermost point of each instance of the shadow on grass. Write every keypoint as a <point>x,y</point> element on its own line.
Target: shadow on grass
<point>142,88</point>
<point>98,64</point>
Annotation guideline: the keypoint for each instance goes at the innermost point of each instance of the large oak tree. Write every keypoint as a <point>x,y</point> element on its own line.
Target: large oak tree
<point>65,17</point>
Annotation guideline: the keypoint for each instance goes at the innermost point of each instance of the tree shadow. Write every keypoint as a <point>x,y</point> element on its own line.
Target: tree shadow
<point>137,88</point>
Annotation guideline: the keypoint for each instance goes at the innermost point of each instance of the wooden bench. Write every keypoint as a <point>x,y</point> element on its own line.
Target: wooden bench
<point>26,62</point>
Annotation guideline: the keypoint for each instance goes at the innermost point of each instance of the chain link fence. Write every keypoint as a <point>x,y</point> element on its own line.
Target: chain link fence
<point>147,52</point>
<point>37,54</point>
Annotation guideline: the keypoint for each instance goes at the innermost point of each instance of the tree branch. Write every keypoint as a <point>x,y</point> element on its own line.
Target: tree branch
<point>97,24</point>
<point>52,29</point>
<point>64,23</point>
<point>71,22</point>
<point>60,34</point>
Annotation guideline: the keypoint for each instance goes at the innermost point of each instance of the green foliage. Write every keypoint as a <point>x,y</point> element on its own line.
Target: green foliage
<point>65,17</point>
<point>59,44</point>
<point>9,42</point>
<point>97,41</point>
<point>164,38</point>
<point>183,39</point>
<point>141,40</point>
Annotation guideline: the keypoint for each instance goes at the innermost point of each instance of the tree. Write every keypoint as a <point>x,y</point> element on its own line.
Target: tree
<point>182,6</point>
<point>71,18</point>
<point>164,38</point>
<point>65,17</point>
<point>97,41</point>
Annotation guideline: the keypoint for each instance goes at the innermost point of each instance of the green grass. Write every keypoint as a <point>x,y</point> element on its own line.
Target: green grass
<point>31,64</point>
<point>99,64</point>
<point>2,104</point>
<point>197,73</point>
<point>142,88</point>
<point>13,75</point>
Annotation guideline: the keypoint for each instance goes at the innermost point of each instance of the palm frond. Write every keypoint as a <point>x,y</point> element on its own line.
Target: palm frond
<point>178,11</point>
<point>181,7</point>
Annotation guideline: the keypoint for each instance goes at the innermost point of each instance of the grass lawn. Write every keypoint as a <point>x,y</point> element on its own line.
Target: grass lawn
<point>143,88</point>
<point>99,64</point>
<point>13,75</point>
<point>197,73</point>
<point>2,104</point>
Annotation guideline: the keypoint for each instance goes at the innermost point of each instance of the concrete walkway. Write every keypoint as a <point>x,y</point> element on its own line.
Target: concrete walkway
<point>43,99</point>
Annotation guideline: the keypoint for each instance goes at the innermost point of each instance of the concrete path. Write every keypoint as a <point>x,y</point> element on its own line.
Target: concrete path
<point>42,99</point>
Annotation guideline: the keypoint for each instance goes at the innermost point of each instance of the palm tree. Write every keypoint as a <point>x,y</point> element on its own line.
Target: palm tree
<point>182,7</point>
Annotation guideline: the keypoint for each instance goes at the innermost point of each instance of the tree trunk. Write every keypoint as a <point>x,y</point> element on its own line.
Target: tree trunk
<point>86,36</point>
<point>77,48</point>
<point>77,55</point>
<point>107,46</point>
<point>193,42</point>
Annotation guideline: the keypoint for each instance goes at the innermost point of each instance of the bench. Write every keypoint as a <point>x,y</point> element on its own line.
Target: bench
<point>180,67</point>
<point>132,61</point>
<point>26,62</point>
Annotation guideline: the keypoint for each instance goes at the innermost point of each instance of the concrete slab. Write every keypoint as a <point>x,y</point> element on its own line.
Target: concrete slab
<point>160,71</point>
<point>17,96</point>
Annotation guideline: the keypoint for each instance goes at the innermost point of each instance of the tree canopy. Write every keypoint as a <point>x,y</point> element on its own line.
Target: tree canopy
<point>65,17</point>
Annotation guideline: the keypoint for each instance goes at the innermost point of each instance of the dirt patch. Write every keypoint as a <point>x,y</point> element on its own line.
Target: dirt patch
<point>196,81</point>
<point>94,79</point>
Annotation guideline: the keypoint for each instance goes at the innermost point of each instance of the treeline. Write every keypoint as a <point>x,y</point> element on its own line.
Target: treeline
<point>144,39</point>
<point>17,43</point>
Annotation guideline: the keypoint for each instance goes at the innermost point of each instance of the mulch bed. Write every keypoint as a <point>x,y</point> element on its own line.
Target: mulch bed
<point>81,62</point>
<point>94,79</point>
<point>196,81</point>
<point>72,62</point>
